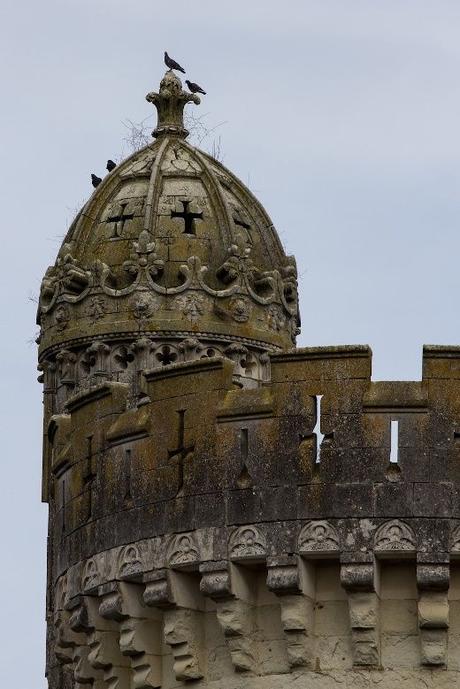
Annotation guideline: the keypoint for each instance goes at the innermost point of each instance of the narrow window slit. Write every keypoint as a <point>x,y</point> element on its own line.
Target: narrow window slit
<point>394,442</point>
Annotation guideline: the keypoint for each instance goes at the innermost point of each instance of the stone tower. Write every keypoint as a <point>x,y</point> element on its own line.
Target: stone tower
<point>227,511</point>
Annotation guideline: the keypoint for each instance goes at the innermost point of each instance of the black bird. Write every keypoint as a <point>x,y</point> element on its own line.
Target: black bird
<point>111,165</point>
<point>172,64</point>
<point>194,88</point>
<point>95,180</point>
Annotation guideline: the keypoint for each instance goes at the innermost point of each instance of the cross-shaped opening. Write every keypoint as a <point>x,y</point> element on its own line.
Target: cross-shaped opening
<point>317,429</point>
<point>181,451</point>
<point>127,473</point>
<point>63,505</point>
<point>188,217</point>
<point>244,444</point>
<point>244,480</point>
<point>119,221</point>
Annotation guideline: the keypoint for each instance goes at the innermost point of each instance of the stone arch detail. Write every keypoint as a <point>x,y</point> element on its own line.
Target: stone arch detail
<point>91,577</point>
<point>247,543</point>
<point>130,563</point>
<point>318,536</point>
<point>183,551</point>
<point>395,536</point>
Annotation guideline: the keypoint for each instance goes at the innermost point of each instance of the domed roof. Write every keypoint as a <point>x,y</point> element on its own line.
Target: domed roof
<point>171,243</point>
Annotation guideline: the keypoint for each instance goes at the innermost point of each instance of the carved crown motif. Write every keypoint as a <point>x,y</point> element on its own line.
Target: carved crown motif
<point>171,242</point>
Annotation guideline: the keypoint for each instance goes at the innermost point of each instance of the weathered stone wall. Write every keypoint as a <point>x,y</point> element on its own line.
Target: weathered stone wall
<point>206,535</point>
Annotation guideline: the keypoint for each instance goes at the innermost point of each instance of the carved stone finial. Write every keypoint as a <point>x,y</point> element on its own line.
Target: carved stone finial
<point>170,103</point>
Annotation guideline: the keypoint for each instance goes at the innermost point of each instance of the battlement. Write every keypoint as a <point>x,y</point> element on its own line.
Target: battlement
<point>204,490</point>
<point>316,440</point>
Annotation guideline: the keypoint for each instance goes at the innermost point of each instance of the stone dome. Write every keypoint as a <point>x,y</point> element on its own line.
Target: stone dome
<point>173,247</point>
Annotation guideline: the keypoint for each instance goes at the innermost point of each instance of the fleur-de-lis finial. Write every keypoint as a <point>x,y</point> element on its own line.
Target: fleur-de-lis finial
<point>170,103</point>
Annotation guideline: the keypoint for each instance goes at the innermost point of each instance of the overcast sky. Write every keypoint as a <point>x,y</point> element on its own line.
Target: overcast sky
<point>343,116</point>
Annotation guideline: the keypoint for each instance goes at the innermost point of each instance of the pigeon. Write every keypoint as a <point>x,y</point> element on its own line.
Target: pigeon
<point>95,180</point>
<point>172,64</point>
<point>111,165</point>
<point>194,88</point>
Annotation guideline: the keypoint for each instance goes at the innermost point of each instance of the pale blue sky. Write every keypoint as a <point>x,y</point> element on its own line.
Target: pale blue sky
<point>342,114</point>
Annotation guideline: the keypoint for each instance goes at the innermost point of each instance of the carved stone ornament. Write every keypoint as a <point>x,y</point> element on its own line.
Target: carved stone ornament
<point>394,536</point>
<point>179,160</point>
<point>144,305</point>
<point>247,543</point>
<point>183,551</point>
<point>130,562</point>
<point>170,103</point>
<point>91,576</point>
<point>62,317</point>
<point>143,261</point>
<point>96,308</point>
<point>240,309</point>
<point>192,306</point>
<point>246,285</point>
<point>275,317</point>
<point>66,278</point>
<point>318,537</point>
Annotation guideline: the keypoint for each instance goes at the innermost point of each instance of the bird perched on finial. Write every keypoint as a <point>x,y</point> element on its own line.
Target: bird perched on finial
<point>95,180</point>
<point>194,88</point>
<point>111,165</point>
<point>172,64</point>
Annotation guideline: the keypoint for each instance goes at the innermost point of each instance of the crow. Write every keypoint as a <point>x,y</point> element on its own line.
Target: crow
<point>172,64</point>
<point>111,165</point>
<point>95,180</point>
<point>194,88</point>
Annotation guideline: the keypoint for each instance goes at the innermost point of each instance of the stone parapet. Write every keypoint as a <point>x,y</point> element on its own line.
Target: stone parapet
<point>217,532</point>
